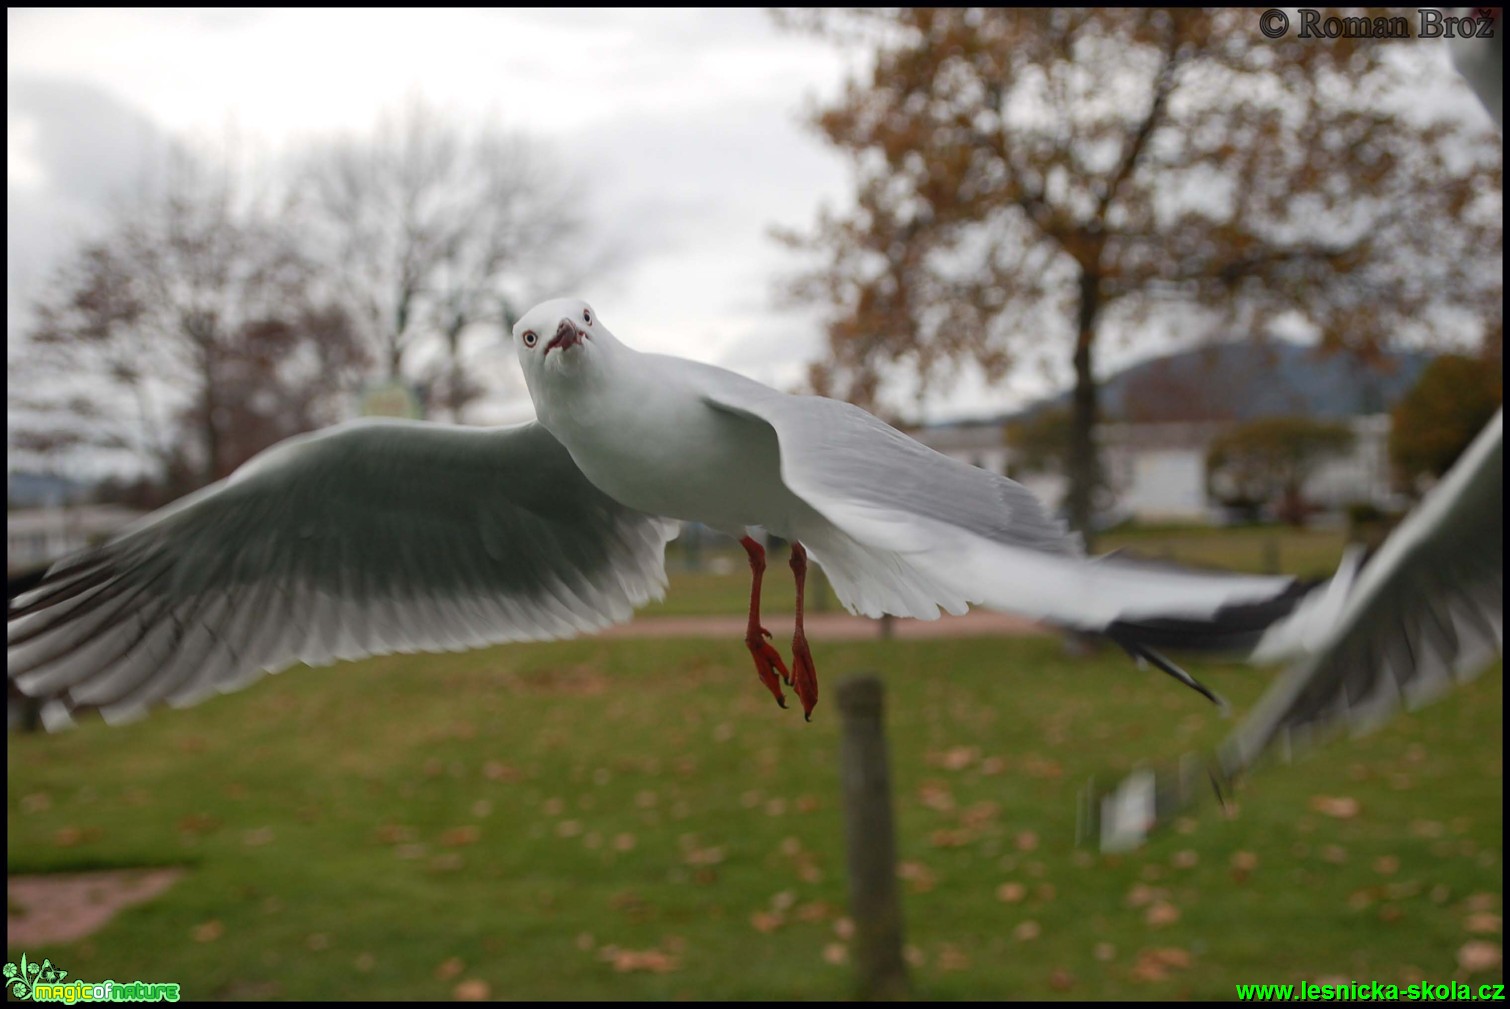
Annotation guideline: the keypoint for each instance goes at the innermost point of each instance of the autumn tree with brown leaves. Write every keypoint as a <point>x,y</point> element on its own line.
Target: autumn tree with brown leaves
<point>1033,179</point>
<point>1437,420</point>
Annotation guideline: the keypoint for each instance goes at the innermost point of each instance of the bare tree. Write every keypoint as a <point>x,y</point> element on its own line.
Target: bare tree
<point>191,331</point>
<point>1034,178</point>
<point>433,229</point>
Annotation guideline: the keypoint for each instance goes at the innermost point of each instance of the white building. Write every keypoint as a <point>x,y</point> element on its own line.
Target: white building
<point>1157,471</point>
<point>35,537</point>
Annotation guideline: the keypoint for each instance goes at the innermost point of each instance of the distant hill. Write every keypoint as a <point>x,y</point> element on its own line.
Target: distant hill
<point>1247,380</point>
<point>33,490</point>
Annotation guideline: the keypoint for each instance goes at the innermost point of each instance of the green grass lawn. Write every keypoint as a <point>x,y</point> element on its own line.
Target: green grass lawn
<point>637,820</point>
<point>1312,553</point>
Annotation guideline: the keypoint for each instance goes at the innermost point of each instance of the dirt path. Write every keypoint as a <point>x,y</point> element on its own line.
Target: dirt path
<point>833,627</point>
<point>62,907</point>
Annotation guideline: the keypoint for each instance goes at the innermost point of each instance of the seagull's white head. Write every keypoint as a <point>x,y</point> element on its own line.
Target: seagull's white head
<point>558,339</point>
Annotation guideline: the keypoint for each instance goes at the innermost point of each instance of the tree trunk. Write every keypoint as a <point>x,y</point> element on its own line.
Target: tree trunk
<point>395,360</point>
<point>1083,466</point>
<point>396,337</point>
<point>455,395</point>
<point>209,407</point>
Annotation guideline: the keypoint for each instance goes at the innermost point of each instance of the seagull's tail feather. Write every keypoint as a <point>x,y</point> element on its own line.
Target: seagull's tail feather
<point>878,566</point>
<point>911,566</point>
<point>1143,653</point>
<point>1236,628</point>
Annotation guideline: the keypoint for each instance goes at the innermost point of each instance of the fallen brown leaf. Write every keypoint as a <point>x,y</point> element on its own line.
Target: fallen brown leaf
<point>1161,914</point>
<point>473,990</point>
<point>1011,893</point>
<point>766,921</point>
<point>1340,807</point>
<point>457,836</point>
<point>1478,956</point>
<point>1482,921</point>
<point>651,961</point>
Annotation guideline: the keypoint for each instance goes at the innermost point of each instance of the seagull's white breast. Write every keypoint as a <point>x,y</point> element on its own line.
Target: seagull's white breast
<point>644,436</point>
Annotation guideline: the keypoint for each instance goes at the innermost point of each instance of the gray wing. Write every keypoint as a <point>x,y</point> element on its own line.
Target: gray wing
<point>372,537</point>
<point>1424,614</point>
<point>862,471</point>
<point>908,530</point>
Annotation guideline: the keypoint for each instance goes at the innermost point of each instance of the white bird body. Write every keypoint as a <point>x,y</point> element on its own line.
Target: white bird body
<point>694,442</point>
<point>625,424</point>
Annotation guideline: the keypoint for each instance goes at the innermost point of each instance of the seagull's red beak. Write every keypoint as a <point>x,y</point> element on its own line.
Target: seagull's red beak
<point>567,335</point>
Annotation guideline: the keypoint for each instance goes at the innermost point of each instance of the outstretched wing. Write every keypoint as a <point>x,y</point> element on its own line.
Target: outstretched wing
<point>1425,613</point>
<point>371,537</point>
<point>912,530</point>
<point>1422,615</point>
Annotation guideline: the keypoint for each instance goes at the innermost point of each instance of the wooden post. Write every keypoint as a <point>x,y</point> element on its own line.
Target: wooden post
<point>870,841</point>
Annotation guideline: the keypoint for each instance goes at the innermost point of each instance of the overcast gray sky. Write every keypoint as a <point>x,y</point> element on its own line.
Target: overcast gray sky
<point>686,125</point>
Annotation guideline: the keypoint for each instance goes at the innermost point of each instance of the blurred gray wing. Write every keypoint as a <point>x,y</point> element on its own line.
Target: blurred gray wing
<point>1424,614</point>
<point>368,538</point>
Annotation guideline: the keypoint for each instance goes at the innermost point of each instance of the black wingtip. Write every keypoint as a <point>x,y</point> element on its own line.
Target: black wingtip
<point>1140,651</point>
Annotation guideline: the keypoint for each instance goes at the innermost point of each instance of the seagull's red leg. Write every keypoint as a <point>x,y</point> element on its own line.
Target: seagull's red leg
<point>804,675</point>
<point>767,659</point>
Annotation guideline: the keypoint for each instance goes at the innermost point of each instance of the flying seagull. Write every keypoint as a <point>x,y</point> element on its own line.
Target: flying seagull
<point>383,536</point>
<point>1423,615</point>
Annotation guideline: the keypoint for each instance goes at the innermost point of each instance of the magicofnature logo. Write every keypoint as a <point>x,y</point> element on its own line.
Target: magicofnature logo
<point>42,982</point>
<point>22,977</point>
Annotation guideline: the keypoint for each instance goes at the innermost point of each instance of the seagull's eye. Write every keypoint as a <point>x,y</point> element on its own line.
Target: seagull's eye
<point>530,339</point>
<point>587,316</point>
